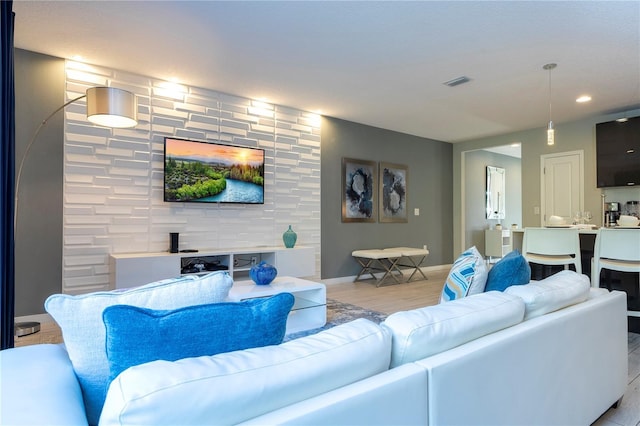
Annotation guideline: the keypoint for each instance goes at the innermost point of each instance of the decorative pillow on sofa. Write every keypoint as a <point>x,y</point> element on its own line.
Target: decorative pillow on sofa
<point>80,318</point>
<point>138,335</point>
<point>233,387</point>
<point>513,269</point>
<point>423,332</point>
<point>468,276</point>
<point>558,291</point>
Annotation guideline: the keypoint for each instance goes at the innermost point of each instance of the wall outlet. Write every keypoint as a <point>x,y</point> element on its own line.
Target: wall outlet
<point>416,212</point>
<point>536,210</point>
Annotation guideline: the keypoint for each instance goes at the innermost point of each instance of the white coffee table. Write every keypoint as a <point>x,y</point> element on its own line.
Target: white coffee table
<point>310,306</point>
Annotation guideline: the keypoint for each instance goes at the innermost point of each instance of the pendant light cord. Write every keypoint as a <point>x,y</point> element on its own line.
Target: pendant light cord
<point>550,68</point>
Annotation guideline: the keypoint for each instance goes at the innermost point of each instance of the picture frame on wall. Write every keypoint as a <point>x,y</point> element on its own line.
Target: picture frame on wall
<point>393,193</point>
<point>359,190</point>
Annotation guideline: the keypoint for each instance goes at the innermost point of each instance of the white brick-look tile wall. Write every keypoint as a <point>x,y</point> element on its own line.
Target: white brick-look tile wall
<point>113,188</point>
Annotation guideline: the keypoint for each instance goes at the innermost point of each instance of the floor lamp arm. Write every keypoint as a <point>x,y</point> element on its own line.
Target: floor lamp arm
<point>26,154</point>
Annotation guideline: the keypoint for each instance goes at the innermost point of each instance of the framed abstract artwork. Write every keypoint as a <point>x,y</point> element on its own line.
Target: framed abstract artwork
<point>359,179</point>
<point>393,192</point>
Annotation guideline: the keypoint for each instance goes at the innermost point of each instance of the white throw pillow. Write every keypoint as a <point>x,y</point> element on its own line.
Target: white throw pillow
<point>468,276</point>
<point>80,318</point>
<point>552,293</point>
<point>233,387</point>
<point>420,333</point>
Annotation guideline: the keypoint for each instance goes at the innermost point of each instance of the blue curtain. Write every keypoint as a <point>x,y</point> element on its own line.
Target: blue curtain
<point>7,170</point>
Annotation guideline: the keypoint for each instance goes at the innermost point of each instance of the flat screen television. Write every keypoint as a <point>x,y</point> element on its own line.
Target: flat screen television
<point>618,153</point>
<point>206,172</point>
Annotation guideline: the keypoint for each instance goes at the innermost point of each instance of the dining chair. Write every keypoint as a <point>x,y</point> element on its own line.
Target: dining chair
<point>552,246</point>
<point>616,250</point>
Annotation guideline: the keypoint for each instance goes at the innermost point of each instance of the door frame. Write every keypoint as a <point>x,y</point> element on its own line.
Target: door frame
<point>543,159</point>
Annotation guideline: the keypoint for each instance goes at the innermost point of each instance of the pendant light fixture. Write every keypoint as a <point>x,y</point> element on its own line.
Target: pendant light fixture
<point>550,130</point>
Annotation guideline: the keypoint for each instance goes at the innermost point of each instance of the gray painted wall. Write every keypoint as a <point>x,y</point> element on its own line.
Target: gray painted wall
<point>475,184</point>
<point>39,86</point>
<point>572,136</point>
<point>429,185</point>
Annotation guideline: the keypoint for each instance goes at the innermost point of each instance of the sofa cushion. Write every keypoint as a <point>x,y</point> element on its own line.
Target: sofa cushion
<point>80,319</point>
<point>38,387</point>
<point>560,290</point>
<point>138,335</point>
<point>513,269</point>
<point>422,332</point>
<point>468,276</point>
<point>232,387</point>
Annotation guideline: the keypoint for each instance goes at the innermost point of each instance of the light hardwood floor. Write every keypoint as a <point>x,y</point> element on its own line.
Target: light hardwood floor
<point>392,298</point>
<point>49,333</point>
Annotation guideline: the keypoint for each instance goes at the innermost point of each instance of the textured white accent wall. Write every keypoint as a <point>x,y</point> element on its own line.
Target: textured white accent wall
<point>113,189</point>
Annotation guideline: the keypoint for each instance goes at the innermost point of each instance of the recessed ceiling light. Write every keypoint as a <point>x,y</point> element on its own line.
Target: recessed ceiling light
<point>584,98</point>
<point>622,120</point>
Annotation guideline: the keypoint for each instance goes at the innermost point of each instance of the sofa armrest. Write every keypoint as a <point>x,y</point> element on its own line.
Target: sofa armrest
<point>38,386</point>
<point>563,368</point>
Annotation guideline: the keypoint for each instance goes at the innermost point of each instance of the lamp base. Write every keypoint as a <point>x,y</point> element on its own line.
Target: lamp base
<point>26,328</point>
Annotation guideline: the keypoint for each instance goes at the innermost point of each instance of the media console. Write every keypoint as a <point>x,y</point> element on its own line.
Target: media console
<point>135,269</point>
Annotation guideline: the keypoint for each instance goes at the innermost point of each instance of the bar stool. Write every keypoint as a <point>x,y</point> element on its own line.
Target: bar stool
<point>617,250</point>
<point>552,246</point>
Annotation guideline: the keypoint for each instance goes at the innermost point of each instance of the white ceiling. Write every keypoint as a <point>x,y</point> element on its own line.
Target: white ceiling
<point>376,63</point>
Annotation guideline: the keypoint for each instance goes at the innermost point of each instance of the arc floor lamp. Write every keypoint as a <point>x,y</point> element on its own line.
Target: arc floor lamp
<point>107,107</point>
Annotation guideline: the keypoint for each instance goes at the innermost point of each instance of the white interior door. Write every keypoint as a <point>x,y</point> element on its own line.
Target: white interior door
<point>562,187</point>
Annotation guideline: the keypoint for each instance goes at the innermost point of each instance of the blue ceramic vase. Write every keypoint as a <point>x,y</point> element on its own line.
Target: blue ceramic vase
<point>263,273</point>
<point>289,237</point>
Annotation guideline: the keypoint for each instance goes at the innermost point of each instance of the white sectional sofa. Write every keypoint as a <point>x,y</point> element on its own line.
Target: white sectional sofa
<point>474,361</point>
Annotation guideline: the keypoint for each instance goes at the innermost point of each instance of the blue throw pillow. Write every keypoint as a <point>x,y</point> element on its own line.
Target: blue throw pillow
<point>138,335</point>
<point>80,318</point>
<point>513,269</point>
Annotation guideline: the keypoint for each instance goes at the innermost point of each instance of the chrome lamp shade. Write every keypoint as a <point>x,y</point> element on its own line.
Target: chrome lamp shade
<point>111,107</point>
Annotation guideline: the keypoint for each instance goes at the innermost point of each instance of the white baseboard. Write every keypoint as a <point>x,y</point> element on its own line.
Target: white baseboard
<point>34,318</point>
<point>350,279</point>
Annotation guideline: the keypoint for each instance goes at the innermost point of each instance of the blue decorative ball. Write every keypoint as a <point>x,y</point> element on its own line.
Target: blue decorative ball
<point>263,273</point>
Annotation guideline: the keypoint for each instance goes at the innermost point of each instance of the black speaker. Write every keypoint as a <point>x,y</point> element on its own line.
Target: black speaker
<point>173,248</point>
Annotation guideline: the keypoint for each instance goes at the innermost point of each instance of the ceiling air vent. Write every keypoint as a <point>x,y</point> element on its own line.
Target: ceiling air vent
<point>457,81</point>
